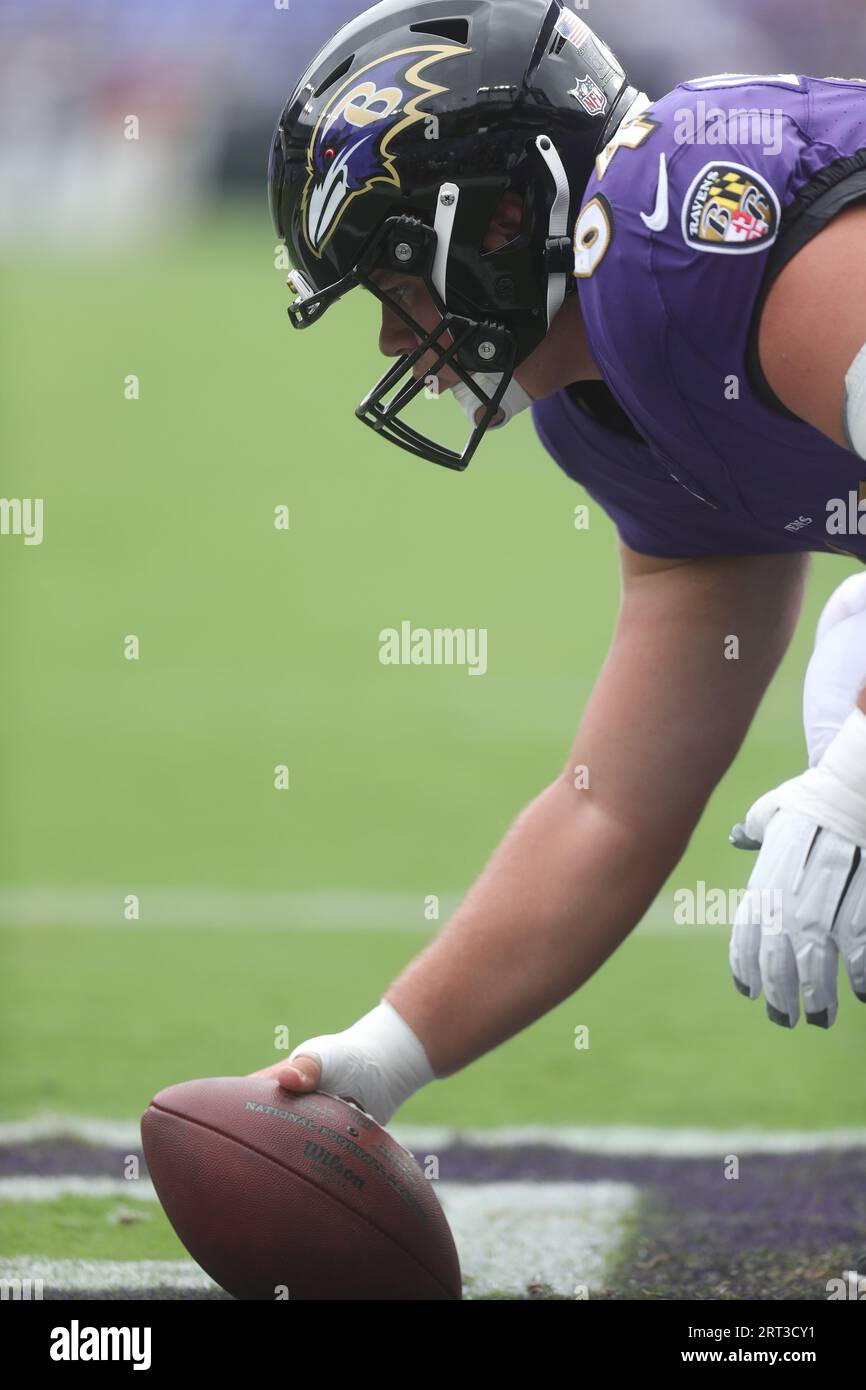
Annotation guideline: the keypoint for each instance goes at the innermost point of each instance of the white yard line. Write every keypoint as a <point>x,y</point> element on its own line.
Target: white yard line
<point>634,1140</point>
<point>626,1140</point>
<point>511,1236</point>
<point>92,1276</point>
<point>340,909</point>
<point>217,907</point>
<point>51,1128</point>
<point>31,1189</point>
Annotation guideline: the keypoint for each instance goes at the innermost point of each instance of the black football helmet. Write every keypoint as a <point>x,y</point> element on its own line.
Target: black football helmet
<point>393,153</point>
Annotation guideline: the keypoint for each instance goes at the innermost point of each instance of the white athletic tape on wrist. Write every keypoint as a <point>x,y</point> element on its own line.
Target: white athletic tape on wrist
<point>855,404</point>
<point>513,402</point>
<point>379,1061</point>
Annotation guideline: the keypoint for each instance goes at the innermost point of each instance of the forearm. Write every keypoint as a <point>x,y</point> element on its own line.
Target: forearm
<point>580,868</point>
<point>563,890</point>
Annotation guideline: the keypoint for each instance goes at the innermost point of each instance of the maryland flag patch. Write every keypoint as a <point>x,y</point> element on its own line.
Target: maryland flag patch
<point>730,209</point>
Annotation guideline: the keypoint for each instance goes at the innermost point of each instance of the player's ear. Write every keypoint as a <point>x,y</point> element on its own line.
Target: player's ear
<point>505,223</point>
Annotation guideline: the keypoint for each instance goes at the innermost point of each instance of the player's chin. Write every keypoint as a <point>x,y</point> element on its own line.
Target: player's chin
<point>498,419</point>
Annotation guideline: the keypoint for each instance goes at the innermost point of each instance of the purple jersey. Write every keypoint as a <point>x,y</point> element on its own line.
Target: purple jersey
<point>690,207</point>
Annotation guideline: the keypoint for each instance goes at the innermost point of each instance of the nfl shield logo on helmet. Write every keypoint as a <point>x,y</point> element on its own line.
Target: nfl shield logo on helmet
<point>590,96</point>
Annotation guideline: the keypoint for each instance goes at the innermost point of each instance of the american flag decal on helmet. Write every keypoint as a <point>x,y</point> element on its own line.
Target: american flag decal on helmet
<point>572,28</point>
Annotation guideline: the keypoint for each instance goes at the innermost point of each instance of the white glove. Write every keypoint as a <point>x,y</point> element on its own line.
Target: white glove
<point>378,1062</point>
<point>806,899</point>
<point>513,402</point>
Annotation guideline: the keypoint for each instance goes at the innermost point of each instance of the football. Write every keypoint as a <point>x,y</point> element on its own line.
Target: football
<point>282,1195</point>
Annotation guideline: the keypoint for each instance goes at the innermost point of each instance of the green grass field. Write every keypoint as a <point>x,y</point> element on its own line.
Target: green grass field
<point>260,647</point>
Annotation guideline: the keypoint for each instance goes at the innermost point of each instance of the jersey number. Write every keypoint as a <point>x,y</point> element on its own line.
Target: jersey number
<point>592,236</point>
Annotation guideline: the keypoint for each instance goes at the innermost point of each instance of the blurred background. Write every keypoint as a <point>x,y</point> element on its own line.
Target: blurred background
<point>208,80</point>
<point>165,908</point>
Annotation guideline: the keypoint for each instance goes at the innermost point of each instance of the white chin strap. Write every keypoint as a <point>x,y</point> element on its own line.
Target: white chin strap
<point>559,228</point>
<point>855,404</point>
<point>516,398</point>
<point>513,402</point>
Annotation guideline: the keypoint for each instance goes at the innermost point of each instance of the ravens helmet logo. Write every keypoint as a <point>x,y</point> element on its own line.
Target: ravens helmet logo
<point>351,145</point>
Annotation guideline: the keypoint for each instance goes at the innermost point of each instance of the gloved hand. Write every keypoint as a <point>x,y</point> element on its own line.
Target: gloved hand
<point>806,899</point>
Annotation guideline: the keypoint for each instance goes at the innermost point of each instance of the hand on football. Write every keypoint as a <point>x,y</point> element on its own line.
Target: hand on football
<point>377,1064</point>
<point>303,1073</point>
<point>805,905</point>
<point>332,1065</point>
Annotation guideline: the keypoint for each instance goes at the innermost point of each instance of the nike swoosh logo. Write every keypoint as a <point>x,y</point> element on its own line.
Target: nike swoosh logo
<point>660,216</point>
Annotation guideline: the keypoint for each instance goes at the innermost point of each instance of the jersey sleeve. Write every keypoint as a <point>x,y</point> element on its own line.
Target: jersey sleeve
<point>671,249</point>
<point>672,240</point>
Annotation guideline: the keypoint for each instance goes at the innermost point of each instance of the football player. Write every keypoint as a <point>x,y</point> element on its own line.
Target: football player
<point>677,290</point>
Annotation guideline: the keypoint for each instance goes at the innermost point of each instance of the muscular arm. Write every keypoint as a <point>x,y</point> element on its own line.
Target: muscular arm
<point>579,868</point>
<point>814,323</point>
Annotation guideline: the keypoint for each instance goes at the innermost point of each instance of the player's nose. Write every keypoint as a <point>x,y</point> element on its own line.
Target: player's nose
<point>395,336</point>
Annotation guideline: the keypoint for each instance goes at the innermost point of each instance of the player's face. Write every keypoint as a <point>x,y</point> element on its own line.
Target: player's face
<point>410,292</point>
<point>396,337</point>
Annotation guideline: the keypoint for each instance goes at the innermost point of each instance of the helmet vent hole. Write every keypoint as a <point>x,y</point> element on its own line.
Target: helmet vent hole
<point>455,29</point>
<point>335,75</point>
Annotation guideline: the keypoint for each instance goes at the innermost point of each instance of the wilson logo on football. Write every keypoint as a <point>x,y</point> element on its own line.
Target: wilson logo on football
<point>351,145</point>
<point>317,1153</point>
<point>730,209</point>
